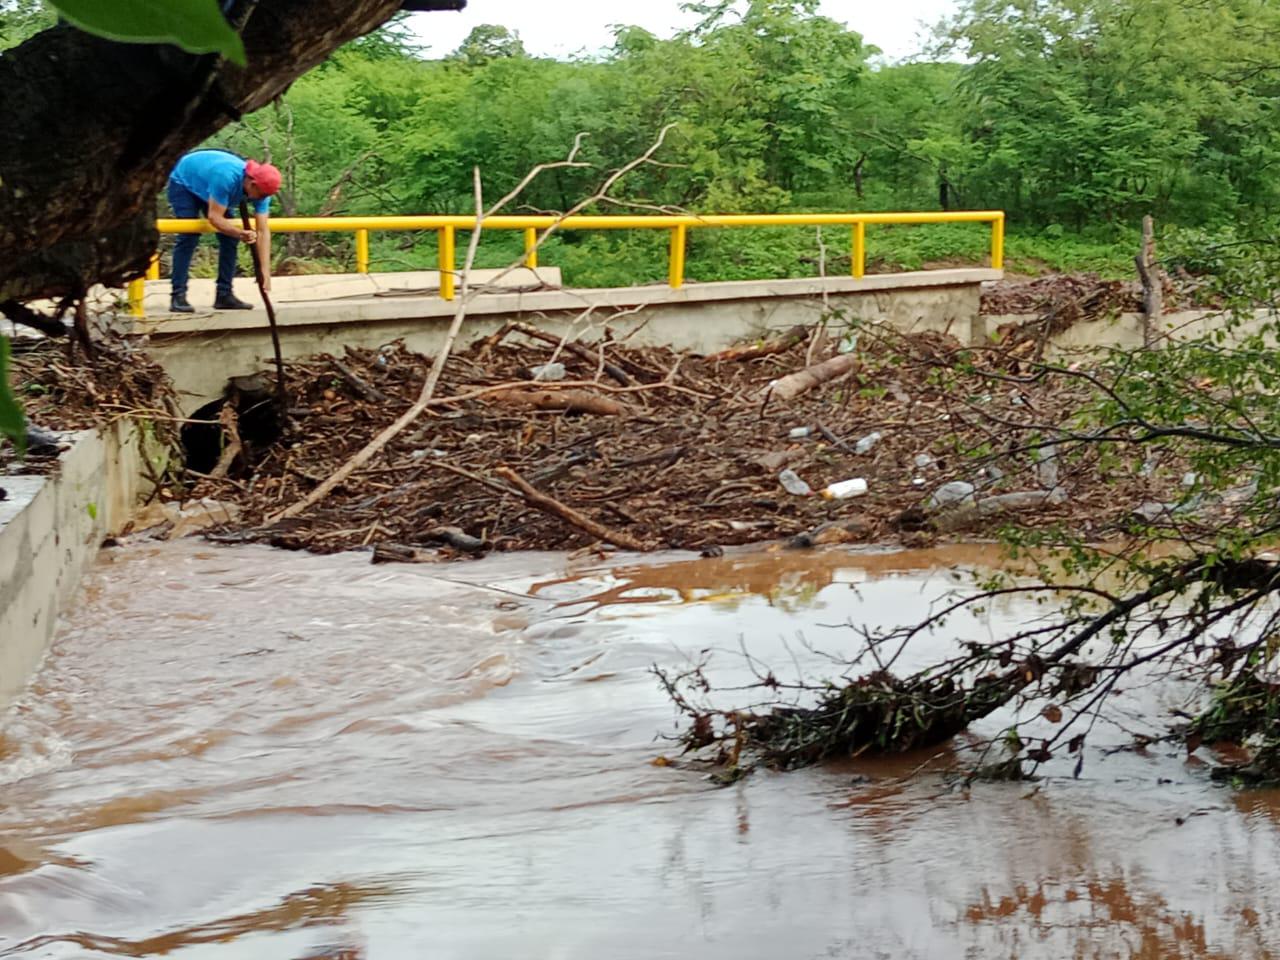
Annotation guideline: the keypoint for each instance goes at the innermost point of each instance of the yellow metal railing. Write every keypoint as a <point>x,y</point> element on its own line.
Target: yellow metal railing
<point>446,228</point>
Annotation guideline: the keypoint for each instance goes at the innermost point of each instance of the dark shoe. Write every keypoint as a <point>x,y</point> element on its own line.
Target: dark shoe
<point>229,301</point>
<point>178,304</point>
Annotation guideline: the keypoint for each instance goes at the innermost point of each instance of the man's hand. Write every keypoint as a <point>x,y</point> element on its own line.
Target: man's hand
<point>217,216</point>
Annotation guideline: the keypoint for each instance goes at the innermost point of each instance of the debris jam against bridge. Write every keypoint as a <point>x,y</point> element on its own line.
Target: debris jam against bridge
<point>534,442</point>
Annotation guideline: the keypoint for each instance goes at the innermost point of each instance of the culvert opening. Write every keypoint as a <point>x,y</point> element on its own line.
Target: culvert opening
<point>237,427</point>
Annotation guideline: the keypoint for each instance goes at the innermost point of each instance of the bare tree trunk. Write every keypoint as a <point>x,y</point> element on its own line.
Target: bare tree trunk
<point>1152,288</point>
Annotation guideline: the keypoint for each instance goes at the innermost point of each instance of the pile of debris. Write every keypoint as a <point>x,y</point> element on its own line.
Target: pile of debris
<point>1092,295</point>
<point>62,391</point>
<point>541,444</point>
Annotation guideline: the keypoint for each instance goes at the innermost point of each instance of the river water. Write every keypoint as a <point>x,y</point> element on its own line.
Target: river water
<point>236,752</point>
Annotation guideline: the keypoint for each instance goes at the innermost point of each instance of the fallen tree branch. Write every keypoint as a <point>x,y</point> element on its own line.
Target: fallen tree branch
<point>550,505</point>
<point>560,343</point>
<point>802,381</point>
<point>571,401</point>
<point>17,313</point>
<point>769,348</point>
<point>230,421</point>
<point>366,390</point>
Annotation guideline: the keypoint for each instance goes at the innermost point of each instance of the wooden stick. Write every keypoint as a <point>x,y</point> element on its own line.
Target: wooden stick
<point>271,310</point>
<point>550,505</point>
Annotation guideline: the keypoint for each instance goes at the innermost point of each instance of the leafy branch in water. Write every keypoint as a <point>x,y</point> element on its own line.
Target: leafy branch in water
<point>1181,588</point>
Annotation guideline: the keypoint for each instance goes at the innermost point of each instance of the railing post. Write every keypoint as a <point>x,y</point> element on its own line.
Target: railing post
<point>675,274</point>
<point>997,243</point>
<point>448,244</point>
<point>138,288</point>
<point>137,291</point>
<point>362,251</point>
<point>531,248</point>
<point>859,258</point>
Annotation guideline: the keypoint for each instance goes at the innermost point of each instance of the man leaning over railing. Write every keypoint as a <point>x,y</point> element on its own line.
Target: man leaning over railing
<point>212,183</point>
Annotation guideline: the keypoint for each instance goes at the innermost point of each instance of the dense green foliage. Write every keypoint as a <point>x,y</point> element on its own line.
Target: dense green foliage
<point>1075,116</point>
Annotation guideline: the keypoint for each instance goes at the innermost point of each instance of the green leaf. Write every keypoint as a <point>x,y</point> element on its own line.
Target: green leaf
<point>194,25</point>
<point>12,423</point>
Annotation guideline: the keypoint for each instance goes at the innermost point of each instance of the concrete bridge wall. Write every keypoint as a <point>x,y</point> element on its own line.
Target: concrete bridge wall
<point>200,351</point>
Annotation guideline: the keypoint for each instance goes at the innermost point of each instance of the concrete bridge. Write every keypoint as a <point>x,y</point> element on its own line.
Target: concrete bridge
<point>325,313</point>
<point>319,314</point>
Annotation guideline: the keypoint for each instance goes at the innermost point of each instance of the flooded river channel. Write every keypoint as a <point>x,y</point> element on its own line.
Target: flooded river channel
<point>244,753</point>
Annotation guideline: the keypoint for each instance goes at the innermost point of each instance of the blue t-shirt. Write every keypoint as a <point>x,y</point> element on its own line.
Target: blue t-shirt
<point>218,176</point>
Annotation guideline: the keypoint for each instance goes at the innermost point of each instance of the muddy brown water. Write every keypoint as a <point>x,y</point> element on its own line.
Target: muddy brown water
<point>250,754</point>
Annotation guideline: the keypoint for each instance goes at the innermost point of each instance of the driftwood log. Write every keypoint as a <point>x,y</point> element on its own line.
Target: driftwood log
<point>794,384</point>
<point>571,401</point>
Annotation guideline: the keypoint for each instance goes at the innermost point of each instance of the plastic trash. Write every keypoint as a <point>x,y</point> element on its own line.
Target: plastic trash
<point>799,433</point>
<point>792,483</point>
<point>917,481</point>
<point>844,489</point>
<point>548,372</point>
<point>957,491</point>
<point>866,443</point>
<point>1047,466</point>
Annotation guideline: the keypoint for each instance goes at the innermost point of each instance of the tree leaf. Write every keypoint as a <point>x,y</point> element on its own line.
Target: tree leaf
<point>194,25</point>
<point>12,423</point>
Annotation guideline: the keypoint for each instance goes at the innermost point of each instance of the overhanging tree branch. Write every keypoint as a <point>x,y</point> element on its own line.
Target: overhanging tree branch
<point>93,127</point>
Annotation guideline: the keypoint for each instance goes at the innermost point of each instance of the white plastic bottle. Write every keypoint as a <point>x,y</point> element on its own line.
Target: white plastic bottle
<point>846,489</point>
<point>866,443</point>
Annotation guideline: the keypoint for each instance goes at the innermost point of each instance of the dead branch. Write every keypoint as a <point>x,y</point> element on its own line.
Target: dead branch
<point>769,348</point>
<point>794,384</point>
<point>543,502</point>
<point>563,343</point>
<point>572,401</point>
<point>370,393</point>
<point>464,297</point>
<point>230,421</point>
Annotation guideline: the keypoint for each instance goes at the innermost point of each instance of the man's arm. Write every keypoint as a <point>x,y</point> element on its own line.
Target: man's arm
<point>223,224</point>
<point>263,223</point>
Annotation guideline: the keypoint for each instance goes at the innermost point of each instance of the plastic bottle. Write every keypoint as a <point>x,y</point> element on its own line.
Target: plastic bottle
<point>548,372</point>
<point>957,491</point>
<point>792,483</point>
<point>866,443</point>
<point>855,487</point>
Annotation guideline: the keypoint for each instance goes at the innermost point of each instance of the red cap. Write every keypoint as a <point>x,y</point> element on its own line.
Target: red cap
<point>264,176</point>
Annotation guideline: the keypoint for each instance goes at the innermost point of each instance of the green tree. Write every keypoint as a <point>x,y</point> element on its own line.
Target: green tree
<point>1097,110</point>
<point>20,19</point>
<point>487,42</point>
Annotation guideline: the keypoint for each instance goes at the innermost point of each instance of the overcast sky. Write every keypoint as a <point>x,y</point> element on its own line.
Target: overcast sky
<point>560,28</point>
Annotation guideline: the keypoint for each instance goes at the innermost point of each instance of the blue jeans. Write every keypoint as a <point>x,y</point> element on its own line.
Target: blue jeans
<point>187,206</point>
